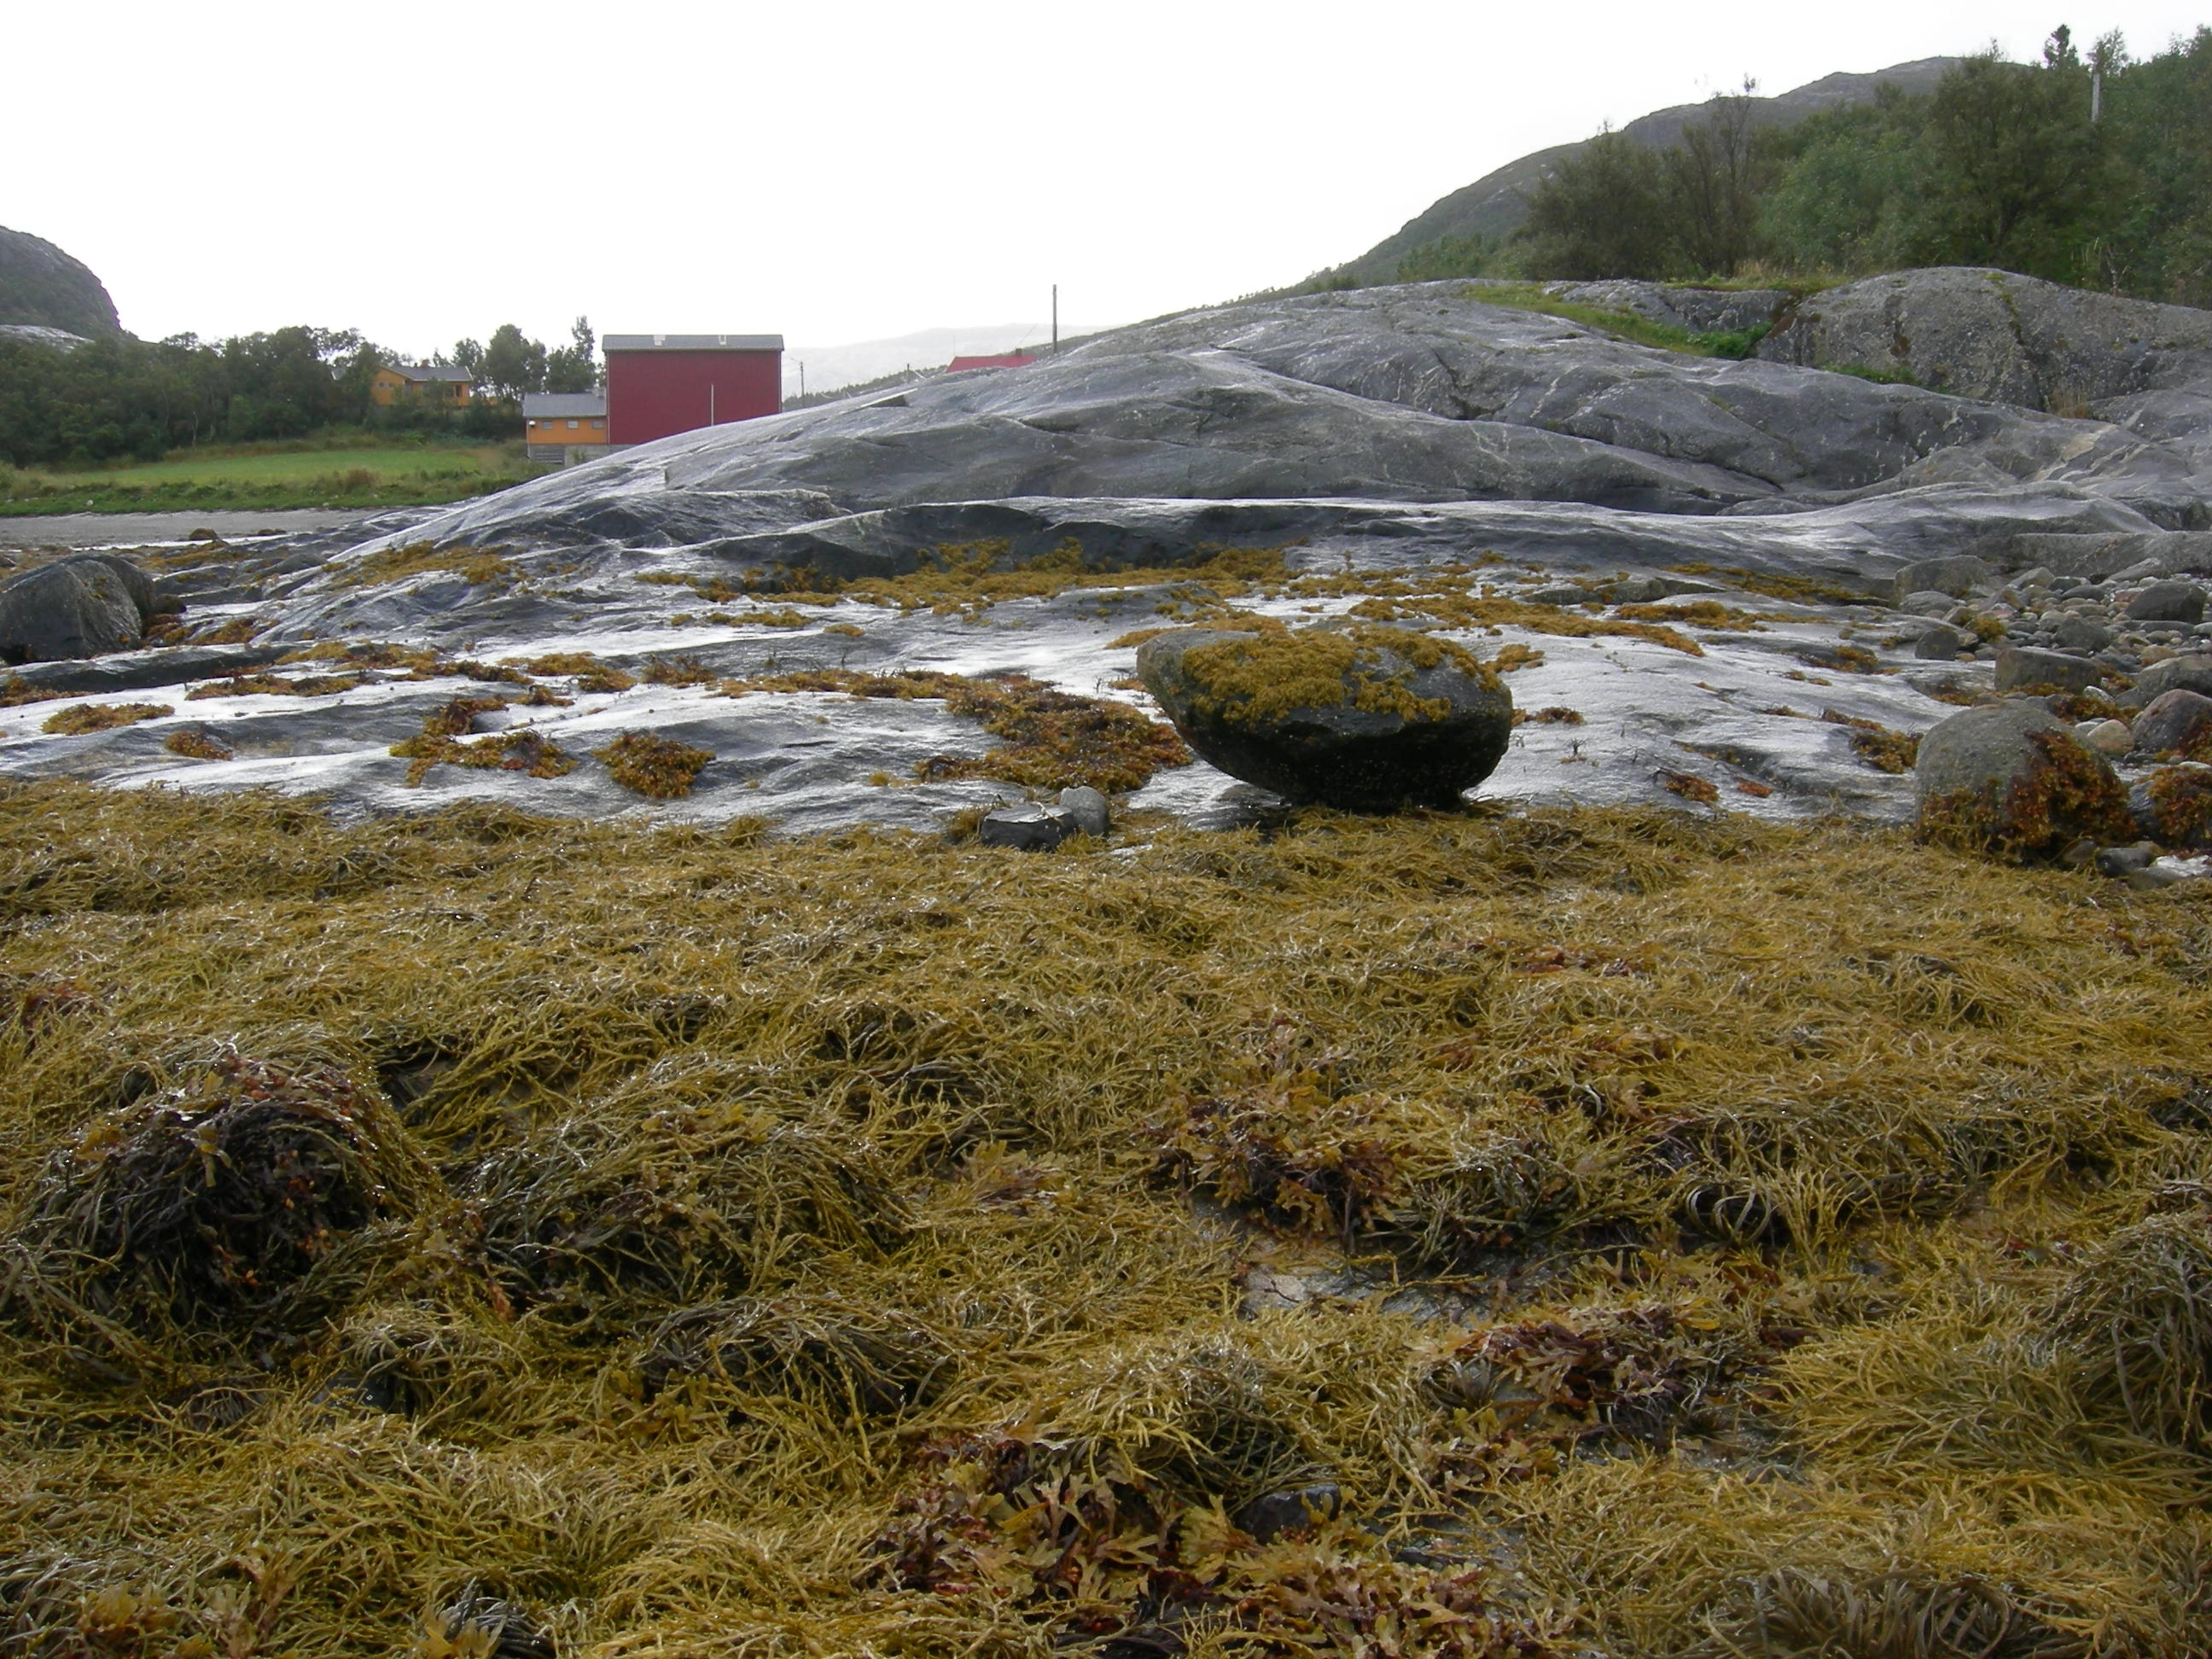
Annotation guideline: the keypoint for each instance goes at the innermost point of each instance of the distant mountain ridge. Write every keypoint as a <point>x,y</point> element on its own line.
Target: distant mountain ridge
<point>45,288</point>
<point>1494,205</point>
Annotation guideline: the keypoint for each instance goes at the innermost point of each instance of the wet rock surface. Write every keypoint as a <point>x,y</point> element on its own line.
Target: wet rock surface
<point>1702,579</point>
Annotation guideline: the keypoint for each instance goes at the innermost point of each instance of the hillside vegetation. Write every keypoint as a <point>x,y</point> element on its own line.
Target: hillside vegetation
<point>1999,164</point>
<point>123,397</point>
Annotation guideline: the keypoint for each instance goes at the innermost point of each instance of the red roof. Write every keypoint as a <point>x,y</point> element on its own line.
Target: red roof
<point>1004,360</point>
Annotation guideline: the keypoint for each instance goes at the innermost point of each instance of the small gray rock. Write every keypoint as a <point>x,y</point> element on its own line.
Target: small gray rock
<point>2038,576</point>
<point>2117,861</point>
<point>1957,575</point>
<point>2169,602</point>
<point>2020,667</point>
<point>70,609</point>
<point>1943,643</point>
<point>1277,1514</point>
<point>1087,806</point>
<point>1558,593</point>
<point>2160,873</point>
<point>1027,829</point>
<point>2178,718</point>
<point>2106,737</point>
<point>2080,636</point>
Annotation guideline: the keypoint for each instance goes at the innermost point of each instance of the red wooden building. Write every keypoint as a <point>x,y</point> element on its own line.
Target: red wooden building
<point>659,383</point>
<point>1002,359</point>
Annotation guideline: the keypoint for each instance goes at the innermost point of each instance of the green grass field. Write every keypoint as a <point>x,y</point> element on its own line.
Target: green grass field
<point>361,474</point>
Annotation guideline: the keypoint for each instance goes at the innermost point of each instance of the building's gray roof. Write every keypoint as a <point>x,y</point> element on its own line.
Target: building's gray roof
<point>692,343</point>
<point>543,406</point>
<point>431,372</point>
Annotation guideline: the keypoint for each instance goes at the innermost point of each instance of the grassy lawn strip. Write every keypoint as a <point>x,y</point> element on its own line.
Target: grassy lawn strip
<point>246,477</point>
<point>1622,325</point>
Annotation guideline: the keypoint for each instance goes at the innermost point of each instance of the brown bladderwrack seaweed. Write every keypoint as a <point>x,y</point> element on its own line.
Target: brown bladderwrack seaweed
<point>197,745</point>
<point>2180,799</point>
<point>1268,676</point>
<point>1050,739</point>
<point>786,1264</point>
<point>1881,747</point>
<point>521,749</point>
<point>660,769</point>
<point>103,717</point>
<point>210,1204</point>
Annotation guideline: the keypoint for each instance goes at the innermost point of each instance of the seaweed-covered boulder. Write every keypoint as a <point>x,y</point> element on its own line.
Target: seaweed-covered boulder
<point>2008,777</point>
<point>1356,716</point>
<point>2172,804</point>
<point>2178,721</point>
<point>74,607</point>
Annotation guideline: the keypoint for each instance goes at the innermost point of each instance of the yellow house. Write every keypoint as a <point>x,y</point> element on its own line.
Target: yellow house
<point>556,424</point>
<point>441,383</point>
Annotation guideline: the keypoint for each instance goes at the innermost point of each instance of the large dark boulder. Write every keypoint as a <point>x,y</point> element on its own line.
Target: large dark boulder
<point>73,608</point>
<point>2007,777</point>
<point>149,599</point>
<point>41,285</point>
<point>1356,716</point>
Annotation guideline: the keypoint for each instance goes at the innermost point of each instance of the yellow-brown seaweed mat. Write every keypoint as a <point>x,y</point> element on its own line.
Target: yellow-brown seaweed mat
<point>1569,1234</point>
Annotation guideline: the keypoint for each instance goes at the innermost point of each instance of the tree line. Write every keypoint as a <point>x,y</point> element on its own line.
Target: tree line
<point>2094,170</point>
<point>121,397</point>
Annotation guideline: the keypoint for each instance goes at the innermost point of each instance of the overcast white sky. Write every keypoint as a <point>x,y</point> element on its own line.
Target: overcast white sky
<point>423,169</point>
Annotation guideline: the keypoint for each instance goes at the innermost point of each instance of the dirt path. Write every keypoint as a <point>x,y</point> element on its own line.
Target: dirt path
<point>142,528</point>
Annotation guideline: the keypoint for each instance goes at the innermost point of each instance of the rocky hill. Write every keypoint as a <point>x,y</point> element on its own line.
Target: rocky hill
<point>1494,205</point>
<point>44,287</point>
<point>1691,554</point>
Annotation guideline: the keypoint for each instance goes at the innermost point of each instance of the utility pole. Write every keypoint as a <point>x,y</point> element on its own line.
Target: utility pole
<point>802,362</point>
<point>1055,318</point>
